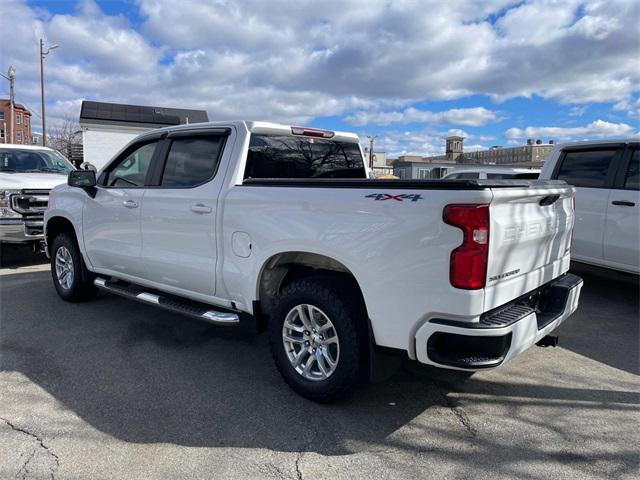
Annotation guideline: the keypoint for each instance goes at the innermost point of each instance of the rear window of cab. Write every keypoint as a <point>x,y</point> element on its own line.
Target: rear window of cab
<point>287,156</point>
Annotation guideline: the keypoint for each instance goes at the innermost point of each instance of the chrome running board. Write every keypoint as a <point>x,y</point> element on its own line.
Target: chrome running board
<point>193,309</point>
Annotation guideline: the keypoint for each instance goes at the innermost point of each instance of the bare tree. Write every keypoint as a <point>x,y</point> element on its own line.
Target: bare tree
<point>63,135</point>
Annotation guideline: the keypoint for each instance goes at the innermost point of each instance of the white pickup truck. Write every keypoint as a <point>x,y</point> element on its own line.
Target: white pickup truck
<point>27,173</point>
<point>250,221</point>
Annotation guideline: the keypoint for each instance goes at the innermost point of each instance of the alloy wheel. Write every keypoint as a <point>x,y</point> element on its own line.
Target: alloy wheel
<point>311,342</point>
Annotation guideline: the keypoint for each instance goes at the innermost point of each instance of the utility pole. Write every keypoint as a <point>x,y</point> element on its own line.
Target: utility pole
<point>371,139</point>
<point>11,74</point>
<point>42,55</point>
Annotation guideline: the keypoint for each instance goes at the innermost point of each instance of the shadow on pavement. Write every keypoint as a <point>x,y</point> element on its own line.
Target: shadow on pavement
<point>606,326</point>
<point>15,256</point>
<point>147,376</point>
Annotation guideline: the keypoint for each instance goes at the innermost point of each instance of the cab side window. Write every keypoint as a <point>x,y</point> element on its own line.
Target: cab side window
<point>587,168</point>
<point>132,169</point>
<point>192,161</point>
<point>632,180</point>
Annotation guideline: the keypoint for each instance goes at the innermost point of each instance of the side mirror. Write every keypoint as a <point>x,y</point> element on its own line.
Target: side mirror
<point>85,179</point>
<point>87,166</point>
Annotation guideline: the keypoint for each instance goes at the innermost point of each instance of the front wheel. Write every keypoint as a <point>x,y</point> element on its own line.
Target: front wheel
<point>315,340</point>
<point>72,280</point>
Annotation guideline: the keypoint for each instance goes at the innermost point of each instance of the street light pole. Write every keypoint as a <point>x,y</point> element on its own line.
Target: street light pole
<point>371,139</point>
<point>42,55</point>
<point>11,74</point>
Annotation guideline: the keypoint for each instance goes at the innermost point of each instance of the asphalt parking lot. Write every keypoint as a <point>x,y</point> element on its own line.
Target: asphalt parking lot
<point>115,389</point>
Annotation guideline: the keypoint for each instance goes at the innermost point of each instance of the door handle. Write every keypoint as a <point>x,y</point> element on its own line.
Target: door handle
<point>130,204</point>
<point>201,208</point>
<point>623,203</point>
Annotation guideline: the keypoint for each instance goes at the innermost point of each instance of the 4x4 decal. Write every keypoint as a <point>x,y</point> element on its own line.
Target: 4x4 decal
<point>414,197</point>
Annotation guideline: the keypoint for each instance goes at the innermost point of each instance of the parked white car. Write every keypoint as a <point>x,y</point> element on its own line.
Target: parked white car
<point>491,173</point>
<point>279,225</point>
<point>606,175</point>
<point>27,173</point>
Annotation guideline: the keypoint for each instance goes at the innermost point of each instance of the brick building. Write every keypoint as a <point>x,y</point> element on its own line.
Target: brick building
<point>21,123</point>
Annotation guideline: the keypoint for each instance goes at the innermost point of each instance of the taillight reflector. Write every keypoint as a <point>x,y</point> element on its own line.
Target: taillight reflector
<point>573,212</point>
<point>312,132</point>
<point>468,265</point>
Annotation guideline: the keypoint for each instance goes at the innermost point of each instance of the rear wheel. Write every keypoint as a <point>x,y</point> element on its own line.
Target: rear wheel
<point>315,341</point>
<point>72,280</point>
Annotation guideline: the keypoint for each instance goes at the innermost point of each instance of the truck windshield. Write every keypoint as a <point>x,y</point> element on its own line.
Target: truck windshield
<point>287,156</point>
<point>20,161</point>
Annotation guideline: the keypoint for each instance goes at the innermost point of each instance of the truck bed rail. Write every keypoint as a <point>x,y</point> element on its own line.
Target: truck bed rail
<point>398,184</point>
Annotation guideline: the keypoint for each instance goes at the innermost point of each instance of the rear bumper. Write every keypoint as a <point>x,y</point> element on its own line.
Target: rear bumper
<point>20,230</point>
<point>501,334</point>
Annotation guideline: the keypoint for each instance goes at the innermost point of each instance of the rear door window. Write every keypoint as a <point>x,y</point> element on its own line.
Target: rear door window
<point>499,176</point>
<point>469,175</point>
<point>286,156</point>
<point>587,168</point>
<point>192,161</point>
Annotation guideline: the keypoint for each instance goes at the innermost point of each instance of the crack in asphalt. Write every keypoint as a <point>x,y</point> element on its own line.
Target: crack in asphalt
<point>302,451</point>
<point>24,468</point>
<point>459,412</point>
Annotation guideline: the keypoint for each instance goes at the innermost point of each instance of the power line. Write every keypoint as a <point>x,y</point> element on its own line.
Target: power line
<point>33,111</point>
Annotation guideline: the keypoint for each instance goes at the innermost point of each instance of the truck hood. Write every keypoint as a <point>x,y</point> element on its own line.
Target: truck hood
<point>18,181</point>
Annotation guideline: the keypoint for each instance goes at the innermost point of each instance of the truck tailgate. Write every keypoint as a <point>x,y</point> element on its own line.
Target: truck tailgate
<point>529,241</point>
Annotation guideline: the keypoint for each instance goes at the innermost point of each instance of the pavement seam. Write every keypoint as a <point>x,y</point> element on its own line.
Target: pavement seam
<point>459,412</point>
<point>40,441</point>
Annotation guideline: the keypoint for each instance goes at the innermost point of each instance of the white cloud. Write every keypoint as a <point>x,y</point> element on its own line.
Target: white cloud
<point>631,107</point>
<point>474,148</point>
<point>366,60</point>
<point>578,111</point>
<point>425,142</point>
<point>597,129</point>
<point>486,138</point>
<point>456,116</point>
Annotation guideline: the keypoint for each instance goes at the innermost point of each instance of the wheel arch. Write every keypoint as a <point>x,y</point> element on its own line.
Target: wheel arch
<point>282,268</point>
<point>56,225</point>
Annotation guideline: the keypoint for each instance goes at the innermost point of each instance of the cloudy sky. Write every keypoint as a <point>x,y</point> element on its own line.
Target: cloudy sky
<point>496,71</point>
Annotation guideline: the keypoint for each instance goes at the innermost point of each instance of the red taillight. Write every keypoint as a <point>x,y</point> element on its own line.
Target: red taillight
<point>312,132</point>
<point>468,268</point>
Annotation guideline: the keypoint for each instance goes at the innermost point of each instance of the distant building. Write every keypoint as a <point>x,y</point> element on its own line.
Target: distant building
<point>107,127</point>
<point>380,166</point>
<point>21,123</point>
<point>454,148</point>
<point>533,153</point>
<point>415,167</point>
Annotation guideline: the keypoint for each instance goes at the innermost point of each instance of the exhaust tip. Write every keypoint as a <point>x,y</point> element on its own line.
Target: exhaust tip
<point>548,341</point>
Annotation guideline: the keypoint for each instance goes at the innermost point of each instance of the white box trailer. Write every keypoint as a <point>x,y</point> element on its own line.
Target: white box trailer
<point>102,142</point>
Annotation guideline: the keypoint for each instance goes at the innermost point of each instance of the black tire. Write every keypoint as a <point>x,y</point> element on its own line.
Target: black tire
<point>345,314</point>
<point>81,288</point>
